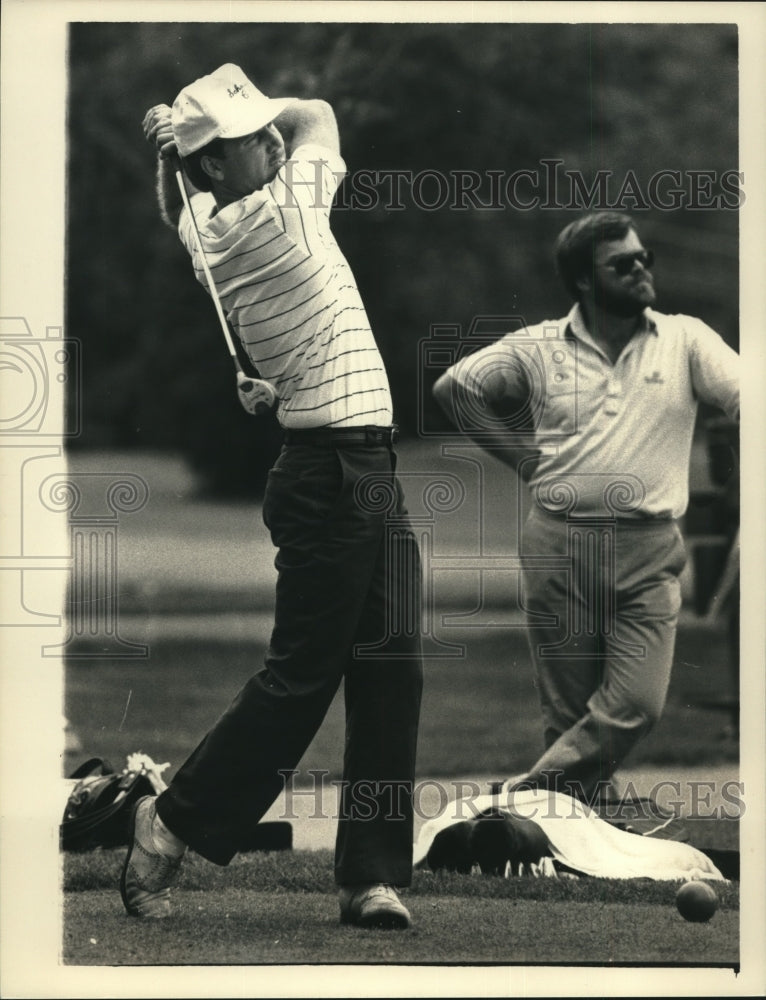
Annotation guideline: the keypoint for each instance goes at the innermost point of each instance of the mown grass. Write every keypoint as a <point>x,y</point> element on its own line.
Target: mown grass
<point>280,909</point>
<point>310,872</point>
<point>252,929</point>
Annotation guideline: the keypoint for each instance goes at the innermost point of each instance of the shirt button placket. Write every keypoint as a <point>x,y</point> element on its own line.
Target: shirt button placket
<point>613,396</point>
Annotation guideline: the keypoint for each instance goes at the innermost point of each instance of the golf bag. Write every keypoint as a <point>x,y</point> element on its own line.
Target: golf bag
<point>97,811</point>
<point>100,802</point>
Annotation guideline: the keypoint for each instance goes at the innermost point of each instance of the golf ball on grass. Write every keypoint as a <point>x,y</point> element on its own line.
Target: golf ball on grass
<point>696,901</point>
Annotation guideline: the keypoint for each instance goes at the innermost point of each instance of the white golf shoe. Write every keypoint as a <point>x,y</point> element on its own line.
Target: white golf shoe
<point>373,906</point>
<point>147,873</point>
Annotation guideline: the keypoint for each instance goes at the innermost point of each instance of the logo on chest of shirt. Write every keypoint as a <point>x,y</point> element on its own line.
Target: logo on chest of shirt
<point>654,378</point>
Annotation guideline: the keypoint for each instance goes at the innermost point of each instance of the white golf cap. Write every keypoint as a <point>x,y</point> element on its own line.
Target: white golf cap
<point>223,105</point>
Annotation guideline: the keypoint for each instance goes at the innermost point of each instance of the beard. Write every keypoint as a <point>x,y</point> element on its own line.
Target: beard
<point>625,302</point>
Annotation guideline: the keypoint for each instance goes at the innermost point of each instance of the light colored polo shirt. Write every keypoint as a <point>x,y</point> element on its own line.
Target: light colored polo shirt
<point>290,296</point>
<point>615,439</point>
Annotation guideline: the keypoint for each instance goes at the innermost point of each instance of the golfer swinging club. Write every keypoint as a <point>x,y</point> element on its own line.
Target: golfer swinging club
<point>263,175</point>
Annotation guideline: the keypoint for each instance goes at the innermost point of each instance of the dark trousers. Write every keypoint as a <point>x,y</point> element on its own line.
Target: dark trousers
<point>347,608</point>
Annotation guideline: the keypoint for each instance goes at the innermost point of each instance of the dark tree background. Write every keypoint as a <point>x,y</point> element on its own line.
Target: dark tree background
<point>408,97</point>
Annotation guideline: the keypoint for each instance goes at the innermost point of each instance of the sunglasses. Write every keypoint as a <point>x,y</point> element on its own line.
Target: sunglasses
<point>623,264</point>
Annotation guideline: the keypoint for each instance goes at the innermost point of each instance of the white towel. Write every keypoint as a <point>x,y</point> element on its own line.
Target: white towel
<point>579,839</point>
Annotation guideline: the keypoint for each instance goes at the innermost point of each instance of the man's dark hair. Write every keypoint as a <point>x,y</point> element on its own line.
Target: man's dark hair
<point>193,163</point>
<point>576,245</point>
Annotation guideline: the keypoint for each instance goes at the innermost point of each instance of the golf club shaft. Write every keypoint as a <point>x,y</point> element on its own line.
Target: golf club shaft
<point>206,269</point>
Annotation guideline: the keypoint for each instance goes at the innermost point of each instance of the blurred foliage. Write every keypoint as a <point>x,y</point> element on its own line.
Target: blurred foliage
<point>412,97</point>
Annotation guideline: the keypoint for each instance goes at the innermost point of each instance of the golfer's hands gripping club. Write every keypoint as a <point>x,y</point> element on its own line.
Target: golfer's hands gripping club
<point>256,396</point>
<point>159,130</point>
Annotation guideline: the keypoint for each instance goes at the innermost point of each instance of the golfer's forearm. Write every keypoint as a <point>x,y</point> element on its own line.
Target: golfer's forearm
<point>169,197</point>
<point>308,122</point>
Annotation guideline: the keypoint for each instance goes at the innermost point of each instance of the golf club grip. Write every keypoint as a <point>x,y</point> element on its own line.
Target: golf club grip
<point>203,261</point>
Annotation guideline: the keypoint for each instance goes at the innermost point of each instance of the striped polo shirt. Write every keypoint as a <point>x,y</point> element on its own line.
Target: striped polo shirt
<point>290,296</point>
<point>615,439</point>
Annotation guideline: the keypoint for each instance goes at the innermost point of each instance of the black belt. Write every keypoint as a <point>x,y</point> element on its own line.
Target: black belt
<point>341,437</point>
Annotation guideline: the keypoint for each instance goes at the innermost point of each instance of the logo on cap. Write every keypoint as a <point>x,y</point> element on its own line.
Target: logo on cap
<point>210,108</point>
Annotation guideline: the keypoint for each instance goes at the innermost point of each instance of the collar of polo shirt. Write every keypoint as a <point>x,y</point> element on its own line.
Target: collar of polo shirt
<point>576,322</point>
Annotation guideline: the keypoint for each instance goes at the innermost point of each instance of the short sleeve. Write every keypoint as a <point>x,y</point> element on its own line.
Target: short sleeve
<point>496,373</point>
<point>203,205</point>
<point>714,367</point>
<point>308,180</point>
